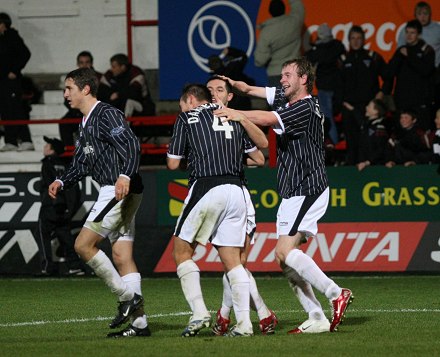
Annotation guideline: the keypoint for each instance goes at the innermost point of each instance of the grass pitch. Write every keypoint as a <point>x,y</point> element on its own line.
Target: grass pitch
<point>390,315</point>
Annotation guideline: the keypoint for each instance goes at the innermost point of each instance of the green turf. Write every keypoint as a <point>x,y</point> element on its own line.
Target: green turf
<point>391,315</point>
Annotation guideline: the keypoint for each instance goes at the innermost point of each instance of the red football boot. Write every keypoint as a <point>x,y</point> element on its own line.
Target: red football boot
<point>340,305</point>
<point>221,325</point>
<point>267,325</point>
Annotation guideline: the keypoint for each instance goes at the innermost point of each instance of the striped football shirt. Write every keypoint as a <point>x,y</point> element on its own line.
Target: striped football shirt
<point>300,147</point>
<point>106,148</point>
<point>211,147</point>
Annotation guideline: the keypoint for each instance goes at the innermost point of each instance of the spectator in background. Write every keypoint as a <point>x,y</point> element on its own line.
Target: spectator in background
<point>430,29</point>
<point>409,144</point>
<point>431,35</point>
<point>374,136</point>
<point>324,55</point>
<point>231,63</point>
<point>14,55</point>
<point>411,73</point>
<point>55,217</point>
<point>280,38</point>
<point>69,132</point>
<point>435,140</point>
<point>125,87</point>
<point>361,70</point>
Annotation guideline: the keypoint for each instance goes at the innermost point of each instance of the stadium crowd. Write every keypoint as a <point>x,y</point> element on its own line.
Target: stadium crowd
<point>347,81</point>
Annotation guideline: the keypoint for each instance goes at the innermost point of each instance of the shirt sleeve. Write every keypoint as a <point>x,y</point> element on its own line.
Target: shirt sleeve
<point>116,130</point>
<point>178,142</point>
<point>248,144</point>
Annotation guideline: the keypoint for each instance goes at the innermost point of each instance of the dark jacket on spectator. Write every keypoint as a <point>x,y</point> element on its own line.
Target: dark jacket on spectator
<point>14,54</point>
<point>361,70</point>
<point>409,145</point>
<point>373,142</point>
<point>414,76</point>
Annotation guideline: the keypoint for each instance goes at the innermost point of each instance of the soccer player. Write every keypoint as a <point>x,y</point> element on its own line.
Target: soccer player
<point>221,92</point>
<point>303,186</point>
<point>107,150</point>
<point>215,208</point>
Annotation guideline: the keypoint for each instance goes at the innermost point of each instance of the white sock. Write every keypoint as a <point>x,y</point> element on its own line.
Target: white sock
<point>225,310</point>
<point>189,275</point>
<point>310,272</point>
<point>133,281</point>
<point>333,291</point>
<point>304,292</point>
<point>239,281</point>
<point>256,298</point>
<point>104,268</point>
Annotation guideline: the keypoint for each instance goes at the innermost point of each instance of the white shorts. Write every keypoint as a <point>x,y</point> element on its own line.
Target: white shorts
<point>219,215</point>
<point>118,223</point>
<point>301,214</point>
<point>250,215</point>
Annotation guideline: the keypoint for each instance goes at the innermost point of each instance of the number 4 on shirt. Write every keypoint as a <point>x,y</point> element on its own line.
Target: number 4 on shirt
<point>218,125</point>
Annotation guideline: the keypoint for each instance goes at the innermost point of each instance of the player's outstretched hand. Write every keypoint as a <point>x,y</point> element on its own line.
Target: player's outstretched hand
<point>231,81</point>
<point>226,114</point>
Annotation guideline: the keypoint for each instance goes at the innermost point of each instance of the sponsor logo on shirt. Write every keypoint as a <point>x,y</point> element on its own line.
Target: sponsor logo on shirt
<point>88,149</point>
<point>117,131</point>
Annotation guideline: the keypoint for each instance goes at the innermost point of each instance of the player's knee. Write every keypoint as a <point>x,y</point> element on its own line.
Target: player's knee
<point>182,250</point>
<point>80,247</point>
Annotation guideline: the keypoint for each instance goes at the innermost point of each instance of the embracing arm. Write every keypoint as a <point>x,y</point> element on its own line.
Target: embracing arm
<point>258,117</point>
<point>255,158</point>
<point>243,87</point>
<point>254,133</point>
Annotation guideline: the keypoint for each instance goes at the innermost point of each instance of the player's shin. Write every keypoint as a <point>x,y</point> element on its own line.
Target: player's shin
<point>240,283</point>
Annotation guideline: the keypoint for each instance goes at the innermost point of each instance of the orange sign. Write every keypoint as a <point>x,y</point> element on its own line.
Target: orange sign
<point>382,20</point>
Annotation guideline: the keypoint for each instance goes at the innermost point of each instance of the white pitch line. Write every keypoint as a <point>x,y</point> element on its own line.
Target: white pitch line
<point>183,313</point>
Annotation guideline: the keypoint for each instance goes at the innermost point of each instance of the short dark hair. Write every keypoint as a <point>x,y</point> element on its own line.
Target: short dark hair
<point>84,54</point>
<point>121,59</point>
<point>380,107</point>
<point>5,19</point>
<point>303,67</point>
<point>409,112</point>
<point>199,91</point>
<point>227,84</point>
<point>414,24</point>
<point>423,5</point>
<point>85,77</point>
<point>356,29</point>
<point>277,8</point>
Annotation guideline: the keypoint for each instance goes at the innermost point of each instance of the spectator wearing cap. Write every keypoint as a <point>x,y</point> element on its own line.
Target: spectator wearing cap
<point>55,217</point>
